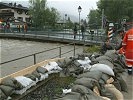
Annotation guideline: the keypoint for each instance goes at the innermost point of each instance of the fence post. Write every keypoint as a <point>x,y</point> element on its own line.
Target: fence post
<point>34,58</point>
<point>84,46</point>
<point>60,52</point>
<point>74,50</point>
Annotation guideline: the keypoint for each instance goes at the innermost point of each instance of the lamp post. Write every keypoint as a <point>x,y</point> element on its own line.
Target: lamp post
<point>79,10</point>
<point>65,20</point>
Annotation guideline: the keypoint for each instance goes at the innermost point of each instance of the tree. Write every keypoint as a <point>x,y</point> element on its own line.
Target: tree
<point>116,10</point>
<point>69,23</point>
<point>41,15</point>
<point>94,18</point>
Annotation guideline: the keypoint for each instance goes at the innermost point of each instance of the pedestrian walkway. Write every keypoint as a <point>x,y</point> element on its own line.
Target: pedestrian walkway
<point>68,38</point>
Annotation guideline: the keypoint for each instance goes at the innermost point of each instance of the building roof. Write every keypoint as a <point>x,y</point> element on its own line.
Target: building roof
<point>13,6</point>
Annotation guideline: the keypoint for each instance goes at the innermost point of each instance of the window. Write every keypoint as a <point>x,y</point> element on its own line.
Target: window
<point>27,19</point>
<point>20,18</point>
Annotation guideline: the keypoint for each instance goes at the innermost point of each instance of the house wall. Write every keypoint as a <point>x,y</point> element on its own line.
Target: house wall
<point>16,15</point>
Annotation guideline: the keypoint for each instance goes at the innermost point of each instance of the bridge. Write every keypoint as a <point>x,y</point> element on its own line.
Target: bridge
<point>59,36</point>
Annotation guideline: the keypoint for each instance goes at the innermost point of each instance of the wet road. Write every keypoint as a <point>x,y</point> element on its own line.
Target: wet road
<point>12,49</point>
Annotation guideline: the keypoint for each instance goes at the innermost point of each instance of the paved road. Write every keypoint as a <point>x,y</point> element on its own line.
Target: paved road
<point>12,49</point>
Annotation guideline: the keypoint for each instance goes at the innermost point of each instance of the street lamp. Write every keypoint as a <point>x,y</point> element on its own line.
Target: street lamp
<point>79,10</point>
<point>65,25</point>
<point>65,20</point>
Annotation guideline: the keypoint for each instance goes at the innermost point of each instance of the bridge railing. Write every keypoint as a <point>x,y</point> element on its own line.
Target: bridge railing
<point>97,36</point>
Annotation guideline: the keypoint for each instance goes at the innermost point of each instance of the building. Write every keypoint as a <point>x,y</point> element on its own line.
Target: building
<point>13,15</point>
<point>13,12</point>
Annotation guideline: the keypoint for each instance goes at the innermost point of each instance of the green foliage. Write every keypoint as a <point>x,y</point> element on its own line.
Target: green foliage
<point>41,15</point>
<point>94,19</point>
<point>92,49</point>
<point>116,10</point>
<point>69,23</point>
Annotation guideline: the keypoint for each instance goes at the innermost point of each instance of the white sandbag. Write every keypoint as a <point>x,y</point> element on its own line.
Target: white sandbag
<point>54,64</point>
<point>24,89</point>
<point>51,66</point>
<point>58,68</point>
<point>24,80</point>
<point>53,71</point>
<point>86,66</point>
<point>43,76</point>
<point>85,61</point>
<point>67,91</point>
<point>103,68</point>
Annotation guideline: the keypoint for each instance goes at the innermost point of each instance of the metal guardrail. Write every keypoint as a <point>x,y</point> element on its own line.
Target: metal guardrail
<point>98,36</point>
<point>34,54</point>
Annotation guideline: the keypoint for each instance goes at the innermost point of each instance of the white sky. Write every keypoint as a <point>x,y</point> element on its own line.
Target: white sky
<point>69,7</point>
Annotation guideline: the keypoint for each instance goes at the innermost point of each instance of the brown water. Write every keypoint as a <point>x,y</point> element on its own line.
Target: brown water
<point>12,49</point>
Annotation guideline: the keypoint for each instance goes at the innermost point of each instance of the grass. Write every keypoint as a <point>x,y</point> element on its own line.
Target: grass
<point>92,49</point>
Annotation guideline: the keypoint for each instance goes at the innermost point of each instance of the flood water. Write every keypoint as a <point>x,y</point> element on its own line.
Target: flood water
<point>13,49</point>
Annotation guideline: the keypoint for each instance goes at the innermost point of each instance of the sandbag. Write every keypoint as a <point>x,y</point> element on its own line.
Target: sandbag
<point>106,93</point>
<point>124,75</point>
<point>36,74</point>
<point>60,63</point>
<point>103,68</point>
<point>112,54</point>
<point>83,55</point>
<point>110,80</point>
<point>73,69</point>
<point>31,76</point>
<point>91,96</point>
<point>67,62</point>
<point>101,82</point>
<point>105,77</point>
<point>85,61</point>
<point>96,90</point>
<point>2,95</point>
<point>12,82</point>
<point>116,83</point>
<point>24,80</point>
<point>87,82</point>
<point>113,90</point>
<point>80,89</point>
<point>51,66</point>
<point>7,90</point>
<point>122,84</point>
<point>103,58</point>
<point>106,62</point>
<point>118,68</point>
<point>93,74</point>
<point>41,70</point>
<point>76,63</point>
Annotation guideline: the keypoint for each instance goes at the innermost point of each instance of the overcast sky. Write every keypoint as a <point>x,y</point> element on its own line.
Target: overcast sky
<point>69,7</point>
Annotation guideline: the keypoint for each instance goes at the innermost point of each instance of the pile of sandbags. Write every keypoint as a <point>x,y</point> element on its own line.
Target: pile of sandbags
<point>98,77</point>
<point>101,80</point>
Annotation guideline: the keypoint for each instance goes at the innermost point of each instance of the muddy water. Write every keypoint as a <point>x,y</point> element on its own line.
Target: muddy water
<point>12,49</point>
